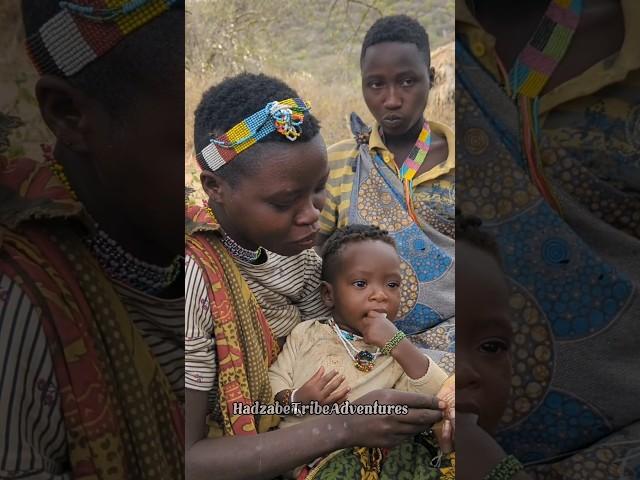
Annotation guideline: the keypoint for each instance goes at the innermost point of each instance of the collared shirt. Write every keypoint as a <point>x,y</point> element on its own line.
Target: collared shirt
<point>434,188</point>
<point>606,72</point>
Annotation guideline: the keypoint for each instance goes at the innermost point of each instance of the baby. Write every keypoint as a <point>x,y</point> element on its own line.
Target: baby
<point>483,354</point>
<point>359,349</point>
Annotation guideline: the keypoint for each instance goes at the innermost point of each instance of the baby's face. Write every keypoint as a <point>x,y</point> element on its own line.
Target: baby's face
<point>367,278</point>
<point>483,336</point>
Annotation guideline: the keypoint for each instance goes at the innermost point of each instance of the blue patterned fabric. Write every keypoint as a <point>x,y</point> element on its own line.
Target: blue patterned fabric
<point>573,276</point>
<point>428,287</point>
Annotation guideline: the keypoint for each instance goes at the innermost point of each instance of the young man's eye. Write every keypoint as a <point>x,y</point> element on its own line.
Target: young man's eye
<point>407,82</point>
<point>359,284</point>
<point>375,84</point>
<point>494,346</point>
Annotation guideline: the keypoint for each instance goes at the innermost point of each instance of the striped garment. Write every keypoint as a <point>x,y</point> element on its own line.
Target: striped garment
<point>33,441</point>
<point>287,290</point>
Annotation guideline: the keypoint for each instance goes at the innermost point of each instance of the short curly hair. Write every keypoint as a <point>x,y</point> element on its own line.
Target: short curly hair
<point>398,28</point>
<point>468,229</point>
<point>344,236</point>
<point>231,101</point>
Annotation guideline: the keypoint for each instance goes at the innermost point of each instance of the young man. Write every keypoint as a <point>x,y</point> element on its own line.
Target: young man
<point>91,238</point>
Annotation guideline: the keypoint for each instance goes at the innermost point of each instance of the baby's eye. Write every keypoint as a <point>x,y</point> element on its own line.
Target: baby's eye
<point>494,346</point>
<point>393,284</point>
<point>359,284</point>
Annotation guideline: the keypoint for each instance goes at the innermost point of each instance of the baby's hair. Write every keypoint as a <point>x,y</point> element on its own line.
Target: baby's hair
<point>345,235</point>
<point>468,229</point>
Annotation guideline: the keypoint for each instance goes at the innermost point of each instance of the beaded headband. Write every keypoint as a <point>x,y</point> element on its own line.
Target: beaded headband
<point>86,29</point>
<point>284,117</point>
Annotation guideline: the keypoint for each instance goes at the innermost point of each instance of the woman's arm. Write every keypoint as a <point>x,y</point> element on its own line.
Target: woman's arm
<point>264,456</point>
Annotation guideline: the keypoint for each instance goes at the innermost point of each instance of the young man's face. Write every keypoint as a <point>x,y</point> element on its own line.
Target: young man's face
<point>395,85</point>
<point>483,336</point>
<point>366,278</point>
<point>278,207</point>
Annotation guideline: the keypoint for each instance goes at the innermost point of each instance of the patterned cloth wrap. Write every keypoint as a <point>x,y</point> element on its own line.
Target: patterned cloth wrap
<point>97,355</point>
<point>427,254</point>
<point>415,460</point>
<point>245,345</point>
<point>573,295</point>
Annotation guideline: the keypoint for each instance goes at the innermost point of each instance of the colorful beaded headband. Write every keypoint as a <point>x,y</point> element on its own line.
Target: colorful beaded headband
<point>284,117</point>
<point>86,29</point>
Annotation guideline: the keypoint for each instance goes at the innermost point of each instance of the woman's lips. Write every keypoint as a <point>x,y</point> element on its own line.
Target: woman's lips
<point>308,241</point>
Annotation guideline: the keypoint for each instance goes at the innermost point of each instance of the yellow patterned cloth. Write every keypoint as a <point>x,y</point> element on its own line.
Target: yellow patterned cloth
<point>245,345</point>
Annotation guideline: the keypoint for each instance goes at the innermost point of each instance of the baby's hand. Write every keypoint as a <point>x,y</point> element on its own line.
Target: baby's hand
<point>324,389</point>
<point>445,429</point>
<point>377,329</point>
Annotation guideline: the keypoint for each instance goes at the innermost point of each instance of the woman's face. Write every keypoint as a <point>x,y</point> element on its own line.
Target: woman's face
<point>483,336</point>
<point>395,85</point>
<point>278,207</point>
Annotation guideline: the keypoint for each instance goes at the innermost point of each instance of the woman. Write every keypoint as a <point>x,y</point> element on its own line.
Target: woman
<point>400,176</point>
<point>91,306</point>
<point>264,204</point>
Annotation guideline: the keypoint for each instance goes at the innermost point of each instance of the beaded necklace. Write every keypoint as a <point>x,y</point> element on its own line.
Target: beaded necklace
<point>237,251</point>
<point>362,359</point>
<point>118,263</point>
<point>531,71</point>
<point>412,164</point>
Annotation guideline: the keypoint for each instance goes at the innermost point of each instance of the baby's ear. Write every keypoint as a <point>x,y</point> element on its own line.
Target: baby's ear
<point>326,291</point>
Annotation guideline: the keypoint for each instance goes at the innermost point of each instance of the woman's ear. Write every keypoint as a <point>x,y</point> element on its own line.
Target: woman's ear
<point>214,186</point>
<point>66,110</point>
<point>326,292</point>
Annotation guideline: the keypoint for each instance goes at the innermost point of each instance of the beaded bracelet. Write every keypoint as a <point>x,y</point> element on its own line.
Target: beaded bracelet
<point>285,400</point>
<point>393,343</point>
<point>506,469</point>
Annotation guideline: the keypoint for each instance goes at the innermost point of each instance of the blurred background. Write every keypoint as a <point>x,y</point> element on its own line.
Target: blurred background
<point>313,46</point>
<point>18,106</point>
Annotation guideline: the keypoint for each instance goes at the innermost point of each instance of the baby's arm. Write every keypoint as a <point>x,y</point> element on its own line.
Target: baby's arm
<point>435,380</point>
<point>281,371</point>
<point>430,383</point>
<point>378,330</point>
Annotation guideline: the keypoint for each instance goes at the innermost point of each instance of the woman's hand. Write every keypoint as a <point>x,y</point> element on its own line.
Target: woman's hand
<point>389,430</point>
<point>377,329</point>
<point>324,389</point>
